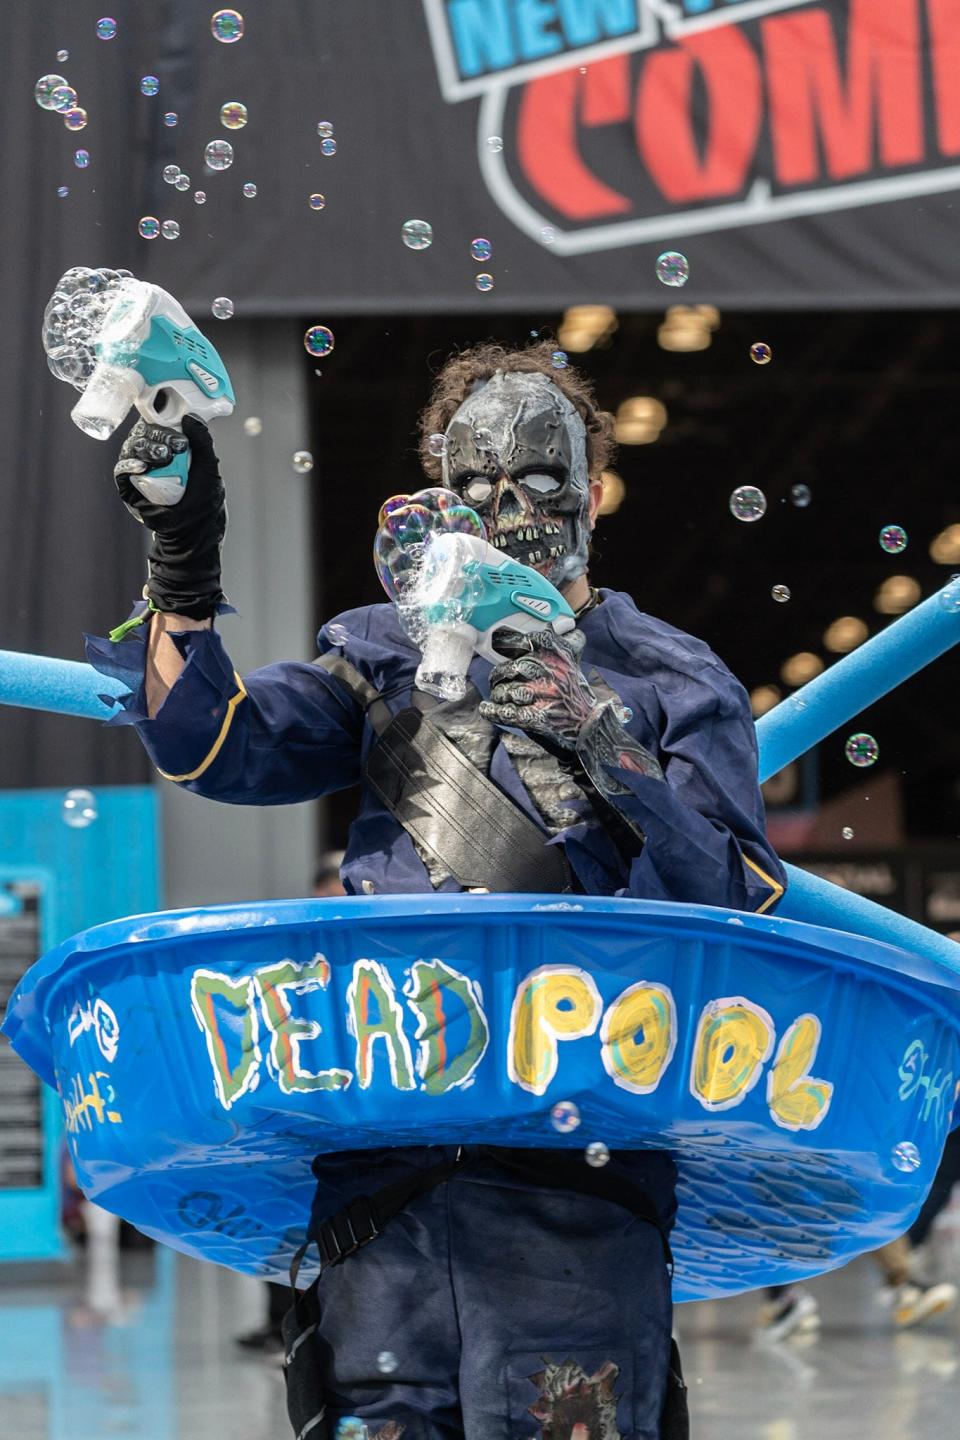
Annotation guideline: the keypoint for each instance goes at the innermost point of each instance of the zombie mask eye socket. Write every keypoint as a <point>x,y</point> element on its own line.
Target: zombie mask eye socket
<point>477,491</point>
<point>542,484</point>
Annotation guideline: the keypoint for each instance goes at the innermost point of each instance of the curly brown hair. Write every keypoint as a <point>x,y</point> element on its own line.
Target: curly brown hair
<point>465,368</point>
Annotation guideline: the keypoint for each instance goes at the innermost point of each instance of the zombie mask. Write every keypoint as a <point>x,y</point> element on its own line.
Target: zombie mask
<point>517,453</point>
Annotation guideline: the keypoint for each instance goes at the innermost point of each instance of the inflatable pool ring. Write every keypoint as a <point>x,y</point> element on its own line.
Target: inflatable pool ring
<point>803,1075</point>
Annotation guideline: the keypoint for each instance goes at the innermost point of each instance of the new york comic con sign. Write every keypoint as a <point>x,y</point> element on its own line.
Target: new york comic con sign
<point>626,121</point>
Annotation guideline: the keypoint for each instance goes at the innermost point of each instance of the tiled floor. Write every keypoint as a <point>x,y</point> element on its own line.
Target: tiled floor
<point>148,1353</point>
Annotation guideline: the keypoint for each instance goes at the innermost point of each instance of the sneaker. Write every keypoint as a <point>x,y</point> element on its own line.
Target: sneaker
<point>911,1304</point>
<point>267,1340</point>
<point>794,1313</point>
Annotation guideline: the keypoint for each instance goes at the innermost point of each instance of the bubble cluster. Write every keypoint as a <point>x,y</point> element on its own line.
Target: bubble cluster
<point>565,1117</point>
<point>79,809</point>
<point>318,340</point>
<point>893,539</point>
<point>597,1155</point>
<point>219,154</point>
<point>781,593</point>
<point>760,353</point>
<point>387,1362</point>
<point>559,360</point>
<point>324,129</point>
<point>328,146</point>
<point>949,597</point>
<point>170,230</point>
<point>222,307</point>
<point>672,268</point>
<point>484,281</point>
<point>302,462</point>
<point>801,495</point>
<point>149,85</point>
<point>417,234</point>
<point>76,118</point>
<point>226,26</point>
<point>747,503</point>
<point>861,750</point>
<point>45,89</point>
<point>149,227</point>
<point>437,444</point>
<point>401,552</point>
<point>494,144</point>
<point>481,249</point>
<point>317,201</point>
<point>253,425</point>
<point>905,1157</point>
<point>250,191</point>
<point>233,115</point>
<point>81,158</point>
<point>106,28</point>
<point>170,119</point>
<point>72,320</point>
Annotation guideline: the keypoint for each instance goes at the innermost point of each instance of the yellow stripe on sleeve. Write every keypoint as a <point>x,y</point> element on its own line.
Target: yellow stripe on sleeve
<point>217,745</point>
<point>775,885</point>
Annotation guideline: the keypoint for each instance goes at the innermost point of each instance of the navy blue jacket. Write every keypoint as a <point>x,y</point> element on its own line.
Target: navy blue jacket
<point>292,732</point>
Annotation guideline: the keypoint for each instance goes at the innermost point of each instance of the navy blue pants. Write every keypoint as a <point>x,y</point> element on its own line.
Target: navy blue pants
<point>491,1309</point>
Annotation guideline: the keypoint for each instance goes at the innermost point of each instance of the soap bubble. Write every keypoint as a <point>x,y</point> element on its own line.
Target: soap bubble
<point>226,26</point>
<point>64,98</point>
<point>847,832</point>
<point>861,750</point>
<point>222,307</point>
<point>76,119</point>
<point>672,268</point>
<point>906,1156</point>
<point>950,597</point>
<point>219,154</point>
<point>149,85</point>
<point>481,249</point>
<point>233,115</point>
<point>387,1362</point>
<point>250,190</point>
<point>182,182</point>
<point>200,197</point>
<point>351,1427</point>
<point>893,539</point>
<point>328,146</point>
<point>79,809</point>
<point>317,201</point>
<point>417,234</point>
<point>564,1117</point>
<point>483,438</point>
<point>494,144</point>
<point>437,444</point>
<point>801,495</point>
<point>484,281</point>
<point>548,235</point>
<point>405,523</point>
<point>63,56</point>
<point>81,158</point>
<point>302,462</point>
<point>781,593</point>
<point>318,340</point>
<point>170,174</point>
<point>597,1154</point>
<point>338,634</point>
<point>149,227</point>
<point>324,129</point>
<point>170,230</point>
<point>170,119</point>
<point>44,89</point>
<point>760,353</point>
<point>63,191</point>
<point>748,503</point>
<point>559,360</point>
<point>253,425</point>
<point>106,28</point>
<point>624,714</point>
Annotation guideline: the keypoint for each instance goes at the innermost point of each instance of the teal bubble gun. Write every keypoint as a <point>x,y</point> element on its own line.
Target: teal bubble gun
<point>149,353</point>
<point>467,590</point>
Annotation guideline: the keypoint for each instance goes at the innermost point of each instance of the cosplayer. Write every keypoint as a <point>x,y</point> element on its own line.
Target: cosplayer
<point>506,1292</point>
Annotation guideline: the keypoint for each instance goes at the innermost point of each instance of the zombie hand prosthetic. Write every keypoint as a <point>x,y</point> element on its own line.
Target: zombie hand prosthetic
<point>185,553</point>
<point>541,690</point>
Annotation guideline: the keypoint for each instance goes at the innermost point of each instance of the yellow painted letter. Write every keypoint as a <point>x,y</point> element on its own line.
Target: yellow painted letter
<point>553,1003</point>
<point>734,1040</point>
<point>796,1100</point>
<point>639,1034</point>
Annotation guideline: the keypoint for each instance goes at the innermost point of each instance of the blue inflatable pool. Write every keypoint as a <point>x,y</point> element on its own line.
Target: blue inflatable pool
<point>803,1078</point>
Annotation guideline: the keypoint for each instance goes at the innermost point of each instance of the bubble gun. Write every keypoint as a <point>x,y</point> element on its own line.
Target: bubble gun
<point>136,346</point>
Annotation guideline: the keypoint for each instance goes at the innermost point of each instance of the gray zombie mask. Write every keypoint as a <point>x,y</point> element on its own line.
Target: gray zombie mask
<point>517,453</point>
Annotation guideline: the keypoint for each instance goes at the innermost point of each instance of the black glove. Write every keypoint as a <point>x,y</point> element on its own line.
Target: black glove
<point>185,553</point>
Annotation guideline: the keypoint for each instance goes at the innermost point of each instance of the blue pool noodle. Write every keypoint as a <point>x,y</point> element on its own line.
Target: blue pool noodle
<point>65,687</point>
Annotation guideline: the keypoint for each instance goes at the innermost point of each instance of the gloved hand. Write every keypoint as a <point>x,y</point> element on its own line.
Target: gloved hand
<point>185,553</point>
<point>542,690</point>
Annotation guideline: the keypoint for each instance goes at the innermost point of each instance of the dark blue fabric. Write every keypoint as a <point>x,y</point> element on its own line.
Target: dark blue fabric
<point>482,1284</point>
<point>299,734</point>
